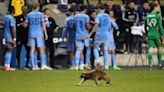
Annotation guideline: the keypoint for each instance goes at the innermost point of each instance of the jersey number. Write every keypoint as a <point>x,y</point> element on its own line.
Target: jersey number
<point>151,22</point>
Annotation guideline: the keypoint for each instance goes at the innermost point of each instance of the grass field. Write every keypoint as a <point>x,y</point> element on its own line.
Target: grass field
<point>130,80</point>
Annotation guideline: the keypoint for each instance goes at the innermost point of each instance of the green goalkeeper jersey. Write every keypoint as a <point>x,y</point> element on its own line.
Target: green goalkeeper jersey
<point>153,26</point>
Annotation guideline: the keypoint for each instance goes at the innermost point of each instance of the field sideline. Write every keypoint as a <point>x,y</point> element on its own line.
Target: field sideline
<point>130,80</point>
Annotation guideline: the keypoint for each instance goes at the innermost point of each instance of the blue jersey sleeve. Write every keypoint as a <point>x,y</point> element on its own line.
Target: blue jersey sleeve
<point>12,22</point>
<point>65,29</point>
<point>114,25</point>
<point>87,19</point>
<point>27,19</point>
<point>42,17</point>
<point>97,20</point>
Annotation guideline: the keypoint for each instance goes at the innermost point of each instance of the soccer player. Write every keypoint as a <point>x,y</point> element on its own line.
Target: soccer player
<point>112,45</point>
<point>10,37</point>
<point>69,33</point>
<point>81,28</point>
<point>37,32</point>
<point>154,33</point>
<point>102,26</point>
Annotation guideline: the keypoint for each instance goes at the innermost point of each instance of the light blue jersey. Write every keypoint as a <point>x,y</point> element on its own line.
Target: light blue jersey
<point>34,20</point>
<point>113,25</point>
<point>80,25</point>
<point>9,21</point>
<point>104,22</point>
<point>69,28</point>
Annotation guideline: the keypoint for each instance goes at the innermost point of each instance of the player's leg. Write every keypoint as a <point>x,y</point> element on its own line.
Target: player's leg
<point>71,48</point>
<point>151,46</point>
<point>31,43</point>
<point>112,48</point>
<point>106,54</point>
<point>8,54</point>
<point>42,50</point>
<point>88,54</point>
<point>79,48</point>
<point>97,43</point>
<point>81,61</point>
<point>159,55</point>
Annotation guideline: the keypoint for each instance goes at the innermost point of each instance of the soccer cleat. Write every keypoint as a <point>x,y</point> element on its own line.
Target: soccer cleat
<point>46,68</point>
<point>81,67</point>
<point>72,68</point>
<point>9,68</point>
<point>76,68</point>
<point>150,67</point>
<point>116,68</point>
<point>106,67</point>
<point>35,68</point>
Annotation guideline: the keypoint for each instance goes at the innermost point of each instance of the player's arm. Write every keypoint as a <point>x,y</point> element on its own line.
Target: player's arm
<point>25,23</point>
<point>114,25</point>
<point>161,31</point>
<point>93,30</point>
<point>88,24</point>
<point>44,27</point>
<point>12,31</point>
<point>95,27</point>
<point>44,30</point>
<point>64,31</point>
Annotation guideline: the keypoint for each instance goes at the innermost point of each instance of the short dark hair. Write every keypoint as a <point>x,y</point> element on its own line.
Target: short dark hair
<point>44,10</point>
<point>11,9</point>
<point>102,7</point>
<point>83,7</point>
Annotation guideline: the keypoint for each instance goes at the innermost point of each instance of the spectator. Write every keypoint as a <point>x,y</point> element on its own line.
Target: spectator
<point>130,18</point>
<point>22,35</point>
<point>143,11</point>
<point>51,26</point>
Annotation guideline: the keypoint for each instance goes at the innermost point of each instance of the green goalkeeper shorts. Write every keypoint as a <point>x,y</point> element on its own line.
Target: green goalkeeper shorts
<point>152,43</point>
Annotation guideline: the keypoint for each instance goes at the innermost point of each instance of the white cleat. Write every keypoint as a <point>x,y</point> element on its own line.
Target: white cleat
<point>35,68</point>
<point>46,68</point>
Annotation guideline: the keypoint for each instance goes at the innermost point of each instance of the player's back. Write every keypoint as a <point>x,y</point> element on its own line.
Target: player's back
<point>70,27</point>
<point>8,22</point>
<point>104,22</point>
<point>35,19</point>
<point>80,25</point>
<point>152,22</point>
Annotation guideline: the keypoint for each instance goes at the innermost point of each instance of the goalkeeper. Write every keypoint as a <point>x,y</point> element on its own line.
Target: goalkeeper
<point>154,35</point>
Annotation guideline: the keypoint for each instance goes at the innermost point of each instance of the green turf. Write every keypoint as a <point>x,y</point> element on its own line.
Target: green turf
<point>65,81</point>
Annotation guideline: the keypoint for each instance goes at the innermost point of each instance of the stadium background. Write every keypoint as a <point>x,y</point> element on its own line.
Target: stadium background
<point>59,18</point>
